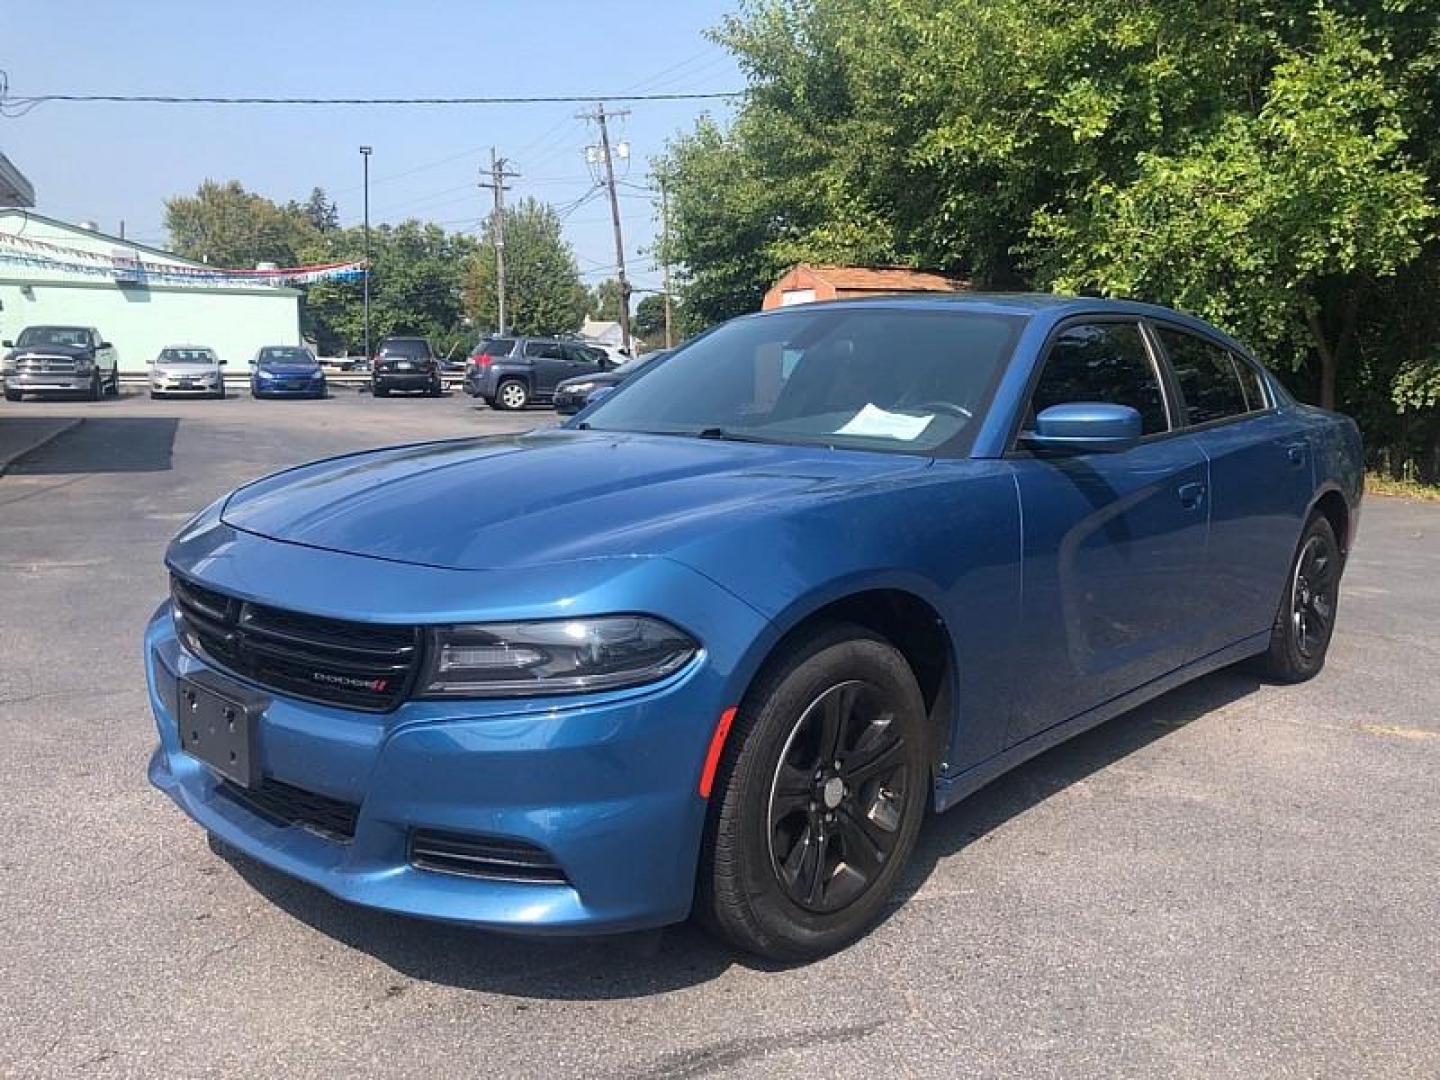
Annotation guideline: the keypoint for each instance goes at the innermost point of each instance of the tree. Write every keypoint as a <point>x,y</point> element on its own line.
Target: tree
<point>649,320</point>
<point>543,290</point>
<point>321,212</point>
<point>416,287</point>
<point>1272,167</point>
<point>604,301</point>
<point>225,225</point>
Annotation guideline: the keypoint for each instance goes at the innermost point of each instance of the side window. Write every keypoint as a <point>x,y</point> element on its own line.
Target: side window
<point>1252,384</point>
<point>537,349</point>
<point>1101,362</point>
<point>578,354</point>
<point>1206,374</point>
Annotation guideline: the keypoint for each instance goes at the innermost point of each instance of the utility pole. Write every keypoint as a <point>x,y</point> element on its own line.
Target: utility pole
<point>365,156</point>
<point>600,116</point>
<point>665,259</point>
<point>498,175</point>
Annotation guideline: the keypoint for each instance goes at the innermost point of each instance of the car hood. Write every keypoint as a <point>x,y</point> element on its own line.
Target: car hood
<point>542,498</point>
<point>193,367</point>
<point>52,350</point>
<point>607,379</point>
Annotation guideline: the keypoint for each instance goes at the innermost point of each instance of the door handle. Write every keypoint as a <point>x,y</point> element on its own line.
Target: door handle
<point>1191,494</point>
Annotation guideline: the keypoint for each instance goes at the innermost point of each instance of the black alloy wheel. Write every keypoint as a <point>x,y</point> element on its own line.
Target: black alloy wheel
<point>1300,637</point>
<point>837,797</point>
<point>818,798</point>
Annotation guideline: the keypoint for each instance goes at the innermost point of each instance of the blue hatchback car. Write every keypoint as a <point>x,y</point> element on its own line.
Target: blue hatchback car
<point>286,371</point>
<point>717,644</point>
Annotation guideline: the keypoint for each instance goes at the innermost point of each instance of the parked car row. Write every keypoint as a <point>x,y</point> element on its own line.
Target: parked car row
<point>511,372</point>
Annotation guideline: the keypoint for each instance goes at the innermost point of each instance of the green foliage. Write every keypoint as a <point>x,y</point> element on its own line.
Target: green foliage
<point>649,320</point>
<point>542,287</point>
<point>604,305</point>
<point>415,287</point>
<point>1272,167</point>
<point>225,225</point>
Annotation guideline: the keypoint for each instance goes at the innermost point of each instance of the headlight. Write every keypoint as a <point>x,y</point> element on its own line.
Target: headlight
<point>580,388</point>
<point>84,364</point>
<point>568,656</point>
<point>266,374</point>
<point>317,374</point>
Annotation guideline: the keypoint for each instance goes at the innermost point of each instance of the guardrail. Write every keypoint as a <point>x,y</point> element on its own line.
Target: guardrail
<point>358,381</point>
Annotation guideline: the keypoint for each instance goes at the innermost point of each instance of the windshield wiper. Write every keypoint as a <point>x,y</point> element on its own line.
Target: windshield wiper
<point>726,435</point>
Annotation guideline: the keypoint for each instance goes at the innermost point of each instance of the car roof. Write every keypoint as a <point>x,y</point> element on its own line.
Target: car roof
<point>1051,305</point>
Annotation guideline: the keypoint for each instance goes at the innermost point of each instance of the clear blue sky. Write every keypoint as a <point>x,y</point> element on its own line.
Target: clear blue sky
<point>106,162</point>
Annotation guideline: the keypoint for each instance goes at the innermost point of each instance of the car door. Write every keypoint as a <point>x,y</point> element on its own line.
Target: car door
<point>549,364</point>
<point>1260,480</point>
<point>1114,542</point>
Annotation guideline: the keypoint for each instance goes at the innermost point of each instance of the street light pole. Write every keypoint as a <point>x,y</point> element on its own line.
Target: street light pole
<point>365,157</point>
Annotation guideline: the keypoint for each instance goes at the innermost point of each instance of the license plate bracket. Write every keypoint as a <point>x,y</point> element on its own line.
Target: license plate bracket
<point>218,730</point>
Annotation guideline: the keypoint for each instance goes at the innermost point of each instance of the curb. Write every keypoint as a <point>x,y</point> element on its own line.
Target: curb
<point>24,452</point>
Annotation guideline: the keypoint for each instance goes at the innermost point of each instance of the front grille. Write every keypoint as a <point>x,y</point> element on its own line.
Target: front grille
<point>287,805</point>
<point>365,666</point>
<point>46,365</point>
<point>492,857</point>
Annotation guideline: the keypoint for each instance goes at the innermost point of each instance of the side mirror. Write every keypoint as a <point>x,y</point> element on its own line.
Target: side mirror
<point>1085,427</point>
<point>105,345</point>
<point>221,361</point>
<point>7,344</point>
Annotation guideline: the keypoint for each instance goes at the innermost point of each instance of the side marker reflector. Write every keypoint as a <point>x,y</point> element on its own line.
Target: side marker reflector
<point>717,747</point>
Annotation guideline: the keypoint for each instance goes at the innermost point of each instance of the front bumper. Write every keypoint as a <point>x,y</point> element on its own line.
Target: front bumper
<point>43,383</point>
<point>604,783</point>
<point>182,385</point>
<point>289,388</point>
<point>568,404</point>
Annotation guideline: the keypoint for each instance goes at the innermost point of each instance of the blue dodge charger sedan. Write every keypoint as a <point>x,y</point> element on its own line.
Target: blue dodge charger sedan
<point>716,645</point>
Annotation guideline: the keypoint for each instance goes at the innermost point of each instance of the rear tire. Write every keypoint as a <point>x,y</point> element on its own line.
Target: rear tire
<point>512,395</point>
<point>13,395</point>
<point>1305,621</point>
<point>800,856</point>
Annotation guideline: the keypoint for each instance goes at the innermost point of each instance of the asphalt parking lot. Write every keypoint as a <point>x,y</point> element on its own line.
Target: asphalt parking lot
<point>1236,880</point>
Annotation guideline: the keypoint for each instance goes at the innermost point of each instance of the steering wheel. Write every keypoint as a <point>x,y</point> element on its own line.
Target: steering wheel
<point>943,407</point>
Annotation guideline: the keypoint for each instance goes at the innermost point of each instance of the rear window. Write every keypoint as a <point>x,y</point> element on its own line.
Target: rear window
<point>1208,377</point>
<point>413,348</point>
<point>496,347</point>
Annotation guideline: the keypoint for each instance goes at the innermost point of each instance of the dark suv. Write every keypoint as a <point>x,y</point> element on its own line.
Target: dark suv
<point>512,372</point>
<point>405,363</point>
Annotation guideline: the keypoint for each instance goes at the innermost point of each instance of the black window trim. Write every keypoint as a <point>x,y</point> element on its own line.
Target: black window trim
<point>1161,370</point>
<point>1272,404</point>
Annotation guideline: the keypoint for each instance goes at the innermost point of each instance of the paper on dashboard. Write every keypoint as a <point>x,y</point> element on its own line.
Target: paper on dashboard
<point>875,422</point>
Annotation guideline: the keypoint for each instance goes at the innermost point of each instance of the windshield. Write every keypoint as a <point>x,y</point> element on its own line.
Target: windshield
<point>284,354</point>
<point>187,356</point>
<point>410,348</point>
<point>866,378</point>
<point>54,335</point>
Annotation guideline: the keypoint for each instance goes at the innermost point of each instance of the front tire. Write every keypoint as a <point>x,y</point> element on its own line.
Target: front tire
<point>13,395</point>
<point>1305,622</point>
<point>97,388</point>
<point>819,798</point>
<point>376,390</point>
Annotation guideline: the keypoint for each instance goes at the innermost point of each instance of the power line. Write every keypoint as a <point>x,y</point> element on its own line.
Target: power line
<point>21,103</point>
